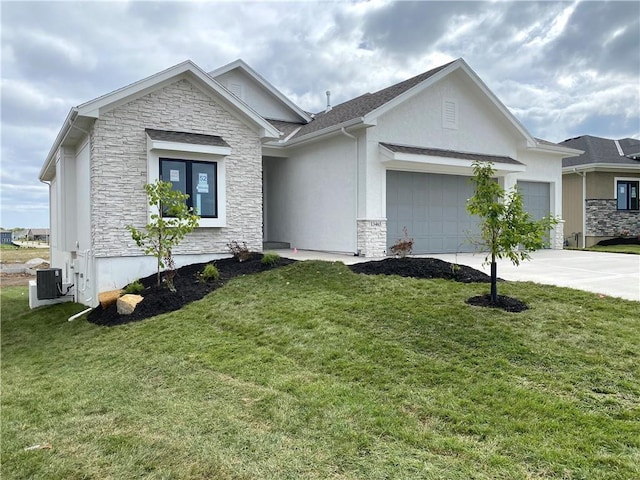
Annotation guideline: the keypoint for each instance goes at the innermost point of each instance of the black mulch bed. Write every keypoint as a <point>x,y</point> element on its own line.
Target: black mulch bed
<point>421,268</point>
<point>508,304</point>
<point>620,241</point>
<point>189,287</point>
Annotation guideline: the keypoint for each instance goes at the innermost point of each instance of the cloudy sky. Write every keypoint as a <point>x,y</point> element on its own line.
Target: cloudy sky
<point>563,68</point>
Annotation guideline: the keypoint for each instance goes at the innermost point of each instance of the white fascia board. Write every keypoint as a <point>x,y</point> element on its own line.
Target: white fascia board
<point>187,147</point>
<point>45,172</point>
<point>456,163</point>
<point>564,152</point>
<point>241,64</point>
<point>185,69</point>
<point>603,167</point>
<point>332,129</point>
<point>458,64</point>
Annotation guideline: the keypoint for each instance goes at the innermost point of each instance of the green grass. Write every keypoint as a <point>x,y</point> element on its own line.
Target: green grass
<point>310,371</point>
<point>633,249</point>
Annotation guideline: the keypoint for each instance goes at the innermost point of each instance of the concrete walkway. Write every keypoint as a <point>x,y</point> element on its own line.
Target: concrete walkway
<point>611,274</point>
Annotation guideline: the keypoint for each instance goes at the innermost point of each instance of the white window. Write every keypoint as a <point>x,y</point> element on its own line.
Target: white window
<point>195,169</point>
<point>449,113</point>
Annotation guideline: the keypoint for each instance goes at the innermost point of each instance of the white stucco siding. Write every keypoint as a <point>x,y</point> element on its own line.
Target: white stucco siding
<point>311,196</point>
<point>119,170</point>
<point>254,95</point>
<point>418,121</point>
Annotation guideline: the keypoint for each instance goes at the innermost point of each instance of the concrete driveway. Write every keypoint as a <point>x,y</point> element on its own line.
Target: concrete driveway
<point>611,274</point>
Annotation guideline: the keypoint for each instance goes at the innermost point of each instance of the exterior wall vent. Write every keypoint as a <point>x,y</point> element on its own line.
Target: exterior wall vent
<point>449,113</point>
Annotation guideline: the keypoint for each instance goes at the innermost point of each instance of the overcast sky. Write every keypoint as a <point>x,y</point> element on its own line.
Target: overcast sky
<point>563,68</point>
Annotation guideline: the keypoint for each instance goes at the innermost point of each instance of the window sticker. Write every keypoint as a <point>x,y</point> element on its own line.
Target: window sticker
<point>198,204</point>
<point>203,183</point>
<point>634,194</point>
<point>174,175</point>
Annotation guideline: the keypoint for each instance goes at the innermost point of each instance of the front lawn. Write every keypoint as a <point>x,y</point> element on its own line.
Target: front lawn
<point>634,249</point>
<point>311,371</point>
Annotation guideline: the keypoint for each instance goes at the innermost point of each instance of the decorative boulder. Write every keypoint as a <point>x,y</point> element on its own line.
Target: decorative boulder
<point>107,299</point>
<point>127,303</point>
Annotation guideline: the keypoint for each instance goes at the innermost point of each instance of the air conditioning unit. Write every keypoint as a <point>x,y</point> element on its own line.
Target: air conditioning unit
<point>49,283</point>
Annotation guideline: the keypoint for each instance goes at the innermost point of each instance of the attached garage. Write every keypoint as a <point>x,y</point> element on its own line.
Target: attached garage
<point>432,207</point>
<point>536,198</point>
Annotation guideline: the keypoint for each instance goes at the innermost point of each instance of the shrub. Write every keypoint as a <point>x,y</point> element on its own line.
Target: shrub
<point>210,272</point>
<point>403,246</point>
<point>270,259</point>
<point>134,288</point>
<point>239,252</point>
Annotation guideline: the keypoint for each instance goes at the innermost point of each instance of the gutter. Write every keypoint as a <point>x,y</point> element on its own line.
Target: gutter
<point>325,131</point>
<point>64,131</point>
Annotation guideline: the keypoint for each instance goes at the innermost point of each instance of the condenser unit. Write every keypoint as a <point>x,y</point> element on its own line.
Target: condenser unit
<point>49,283</point>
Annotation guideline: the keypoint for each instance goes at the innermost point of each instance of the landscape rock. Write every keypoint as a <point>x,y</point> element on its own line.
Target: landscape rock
<point>107,299</point>
<point>126,304</point>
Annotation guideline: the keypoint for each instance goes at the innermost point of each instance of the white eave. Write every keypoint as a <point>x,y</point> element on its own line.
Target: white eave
<point>564,152</point>
<point>440,164</point>
<point>609,167</point>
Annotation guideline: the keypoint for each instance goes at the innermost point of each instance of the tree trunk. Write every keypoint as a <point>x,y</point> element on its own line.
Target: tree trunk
<point>494,281</point>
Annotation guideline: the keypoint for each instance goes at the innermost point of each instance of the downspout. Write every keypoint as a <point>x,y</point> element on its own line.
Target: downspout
<point>355,207</point>
<point>584,205</point>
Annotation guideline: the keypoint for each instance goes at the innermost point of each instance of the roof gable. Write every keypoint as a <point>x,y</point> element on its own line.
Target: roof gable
<point>186,70</point>
<point>366,108</point>
<point>262,94</point>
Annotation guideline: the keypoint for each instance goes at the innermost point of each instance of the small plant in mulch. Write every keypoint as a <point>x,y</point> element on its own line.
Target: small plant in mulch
<point>134,288</point>
<point>239,251</point>
<point>404,246</point>
<point>270,259</point>
<point>209,272</point>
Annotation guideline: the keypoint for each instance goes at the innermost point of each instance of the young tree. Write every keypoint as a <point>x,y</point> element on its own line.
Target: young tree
<point>169,224</point>
<point>506,229</point>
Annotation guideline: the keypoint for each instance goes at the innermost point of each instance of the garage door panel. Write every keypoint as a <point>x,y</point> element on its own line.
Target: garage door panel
<point>433,209</point>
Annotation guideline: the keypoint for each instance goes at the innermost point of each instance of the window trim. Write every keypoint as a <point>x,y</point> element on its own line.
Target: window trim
<point>197,153</point>
<point>615,192</point>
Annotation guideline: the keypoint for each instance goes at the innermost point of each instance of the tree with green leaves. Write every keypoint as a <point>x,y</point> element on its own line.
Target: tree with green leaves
<point>170,222</point>
<point>506,229</point>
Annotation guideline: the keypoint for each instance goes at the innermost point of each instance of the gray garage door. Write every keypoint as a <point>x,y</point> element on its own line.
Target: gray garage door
<point>433,209</point>
<point>536,198</point>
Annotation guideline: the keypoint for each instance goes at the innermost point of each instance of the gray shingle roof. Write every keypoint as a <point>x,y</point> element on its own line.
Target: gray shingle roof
<point>601,150</point>
<point>285,127</point>
<point>437,152</point>
<point>360,106</point>
<point>186,137</point>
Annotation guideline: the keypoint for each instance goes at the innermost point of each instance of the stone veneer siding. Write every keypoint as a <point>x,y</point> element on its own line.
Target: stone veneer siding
<point>372,237</point>
<point>603,219</point>
<point>119,170</point>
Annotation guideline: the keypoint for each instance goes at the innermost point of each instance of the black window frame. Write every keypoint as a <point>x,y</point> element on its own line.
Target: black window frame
<point>189,184</point>
<point>632,204</point>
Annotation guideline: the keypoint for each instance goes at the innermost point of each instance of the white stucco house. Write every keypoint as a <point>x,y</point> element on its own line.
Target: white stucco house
<point>259,169</point>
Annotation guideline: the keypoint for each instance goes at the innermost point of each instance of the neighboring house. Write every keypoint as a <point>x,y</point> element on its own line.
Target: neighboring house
<point>20,234</point>
<point>6,237</point>
<point>601,189</point>
<point>260,169</point>
<point>38,235</point>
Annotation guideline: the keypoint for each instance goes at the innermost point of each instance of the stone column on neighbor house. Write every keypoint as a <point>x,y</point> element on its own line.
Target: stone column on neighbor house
<point>603,219</point>
<point>557,240</point>
<point>372,237</point>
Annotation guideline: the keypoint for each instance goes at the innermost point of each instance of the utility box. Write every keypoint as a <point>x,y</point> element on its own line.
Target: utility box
<point>49,283</point>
